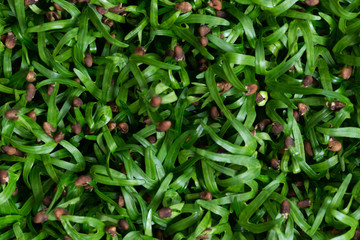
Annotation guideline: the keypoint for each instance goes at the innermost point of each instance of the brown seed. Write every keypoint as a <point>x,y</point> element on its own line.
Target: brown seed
<point>77,80</point>
<point>337,105</point>
<point>334,145</point>
<point>77,102</point>
<point>58,8</point>
<point>259,98</point>
<point>165,212</point>
<point>303,108</point>
<point>59,136</point>
<point>16,192</point>
<point>30,2</point>
<point>121,201</point>
<point>82,181</point>
<point>88,60</point>
<point>10,41</point>
<point>285,209</point>
<point>304,203</point>
<point>48,128</point>
<point>288,142</point>
<point>140,50</point>
<point>346,72</point>
<point>277,128</point>
<point>163,126</point>
<point>76,128</point>
<point>215,4</point>
<point>220,14</point>
<point>111,125</point>
<point>41,217</point>
<point>123,224</point>
<point>308,80</point>
<point>155,101</point>
<point>47,200</point>
<point>108,21</point>
<point>275,163</point>
<point>251,88</point>
<point>204,41</point>
<point>204,30</point>
<point>111,230</point>
<point>152,139</point>
<point>296,115</point>
<point>101,10</point>
<point>308,148</point>
<point>147,120</point>
<point>53,16</point>
<point>206,195</point>
<point>11,114</point>
<point>114,107</point>
<point>30,76</point>
<point>30,92</point>
<point>214,113</point>
<point>9,150</point>
<point>356,235</point>
<point>4,176</point>
<point>123,127</point>
<point>118,9</point>
<point>66,237</point>
<point>58,212</point>
<point>262,124</point>
<point>184,7</point>
<point>311,3</point>
<point>224,86</point>
<point>50,89</point>
<point>179,53</point>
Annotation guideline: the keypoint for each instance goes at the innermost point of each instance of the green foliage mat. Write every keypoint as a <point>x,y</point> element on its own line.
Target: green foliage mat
<point>216,173</point>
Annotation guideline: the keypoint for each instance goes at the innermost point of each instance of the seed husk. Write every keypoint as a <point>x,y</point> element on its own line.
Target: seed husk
<point>111,230</point>
<point>88,60</point>
<point>48,128</point>
<point>58,8</point>
<point>111,125</point>
<point>76,128</point>
<point>334,145</point>
<point>346,72</point>
<point>77,102</point>
<point>58,212</point>
<point>263,124</point>
<point>275,163</point>
<point>215,4</point>
<point>4,176</point>
<point>277,128</point>
<point>224,86</point>
<point>41,217</point>
<point>285,209</point>
<point>179,53</point>
<point>288,142</point>
<point>308,80</point>
<point>121,201</point>
<point>296,115</point>
<point>107,21</point>
<point>165,212</point>
<point>337,105</point>
<point>251,89</point>
<point>155,101</point>
<point>303,108</point>
<point>123,127</point>
<point>304,203</point>
<point>259,98</point>
<point>30,76</point>
<point>152,139</point>
<point>30,2</point>
<point>30,92</point>
<point>47,200</point>
<point>311,3</point>
<point>163,126</point>
<point>140,50</point>
<point>220,14</point>
<point>10,41</point>
<point>118,9</point>
<point>123,224</point>
<point>214,113</point>
<point>101,10</point>
<point>50,89</point>
<point>9,150</point>
<point>184,7</point>
<point>206,195</point>
<point>11,114</point>
<point>204,41</point>
<point>83,181</point>
<point>53,16</point>
<point>204,30</point>
<point>308,148</point>
<point>59,136</point>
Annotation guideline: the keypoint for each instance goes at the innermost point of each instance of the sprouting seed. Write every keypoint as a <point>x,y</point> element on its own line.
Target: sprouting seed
<point>179,53</point>
<point>76,128</point>
<point>53,16</point>
<point>41,217</point>
<point>4,176</point>
<point>285,209</point>
<point>11,114</point>
<point>101,10</point>
<point>165,212</point>
<point>30,76</point>
<point>48,128</point>
<point>58,212</point>
<point>30,92</point>
<point>214,113</point>
<point>336,105</point>
<point>334,145</point>
<point>140,50</point>
<point>275,163</point>
<point>277,128</point>
<point>304,203</point>
<point>224,86</point>
<point>206,195</point>
<point>83,181</point>
<point>111,230</point>
<point>111,125</point>
<point>204,30</point>
<point>184,7</point>
<point>155,101</point>
<point>123,127</point>
<point>123,224</point>
<point>10,40</point>
<point>303,108</point>
<point>251,89</point>
<point>88,60</point>
<point>107,21</point>
<point>118,9</point>
<point>163,126</point>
